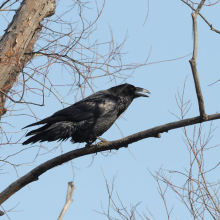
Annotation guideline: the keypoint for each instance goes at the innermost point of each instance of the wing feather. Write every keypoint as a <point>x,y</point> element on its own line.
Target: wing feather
<point>96,105</point>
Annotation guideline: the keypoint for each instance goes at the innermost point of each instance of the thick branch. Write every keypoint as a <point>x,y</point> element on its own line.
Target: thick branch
<point>195,32</point>
<point>193,64</point>
<point>103,146</point>
<point>18,39</point>
<point>198,90</point>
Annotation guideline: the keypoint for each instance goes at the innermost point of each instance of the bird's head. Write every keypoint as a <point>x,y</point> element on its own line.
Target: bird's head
<point>129,91</point>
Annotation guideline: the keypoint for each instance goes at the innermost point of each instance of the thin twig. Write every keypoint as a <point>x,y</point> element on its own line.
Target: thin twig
<point>210,25</point>
<point>32,103</point>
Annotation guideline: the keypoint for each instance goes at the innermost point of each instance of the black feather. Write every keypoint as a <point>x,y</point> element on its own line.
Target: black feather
<point>87,119</point>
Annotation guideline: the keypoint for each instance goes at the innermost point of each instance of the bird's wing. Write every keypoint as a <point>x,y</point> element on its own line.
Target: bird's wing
<point>95,106</point>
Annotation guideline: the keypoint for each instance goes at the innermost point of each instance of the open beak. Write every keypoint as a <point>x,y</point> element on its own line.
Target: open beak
<point>137,94</point>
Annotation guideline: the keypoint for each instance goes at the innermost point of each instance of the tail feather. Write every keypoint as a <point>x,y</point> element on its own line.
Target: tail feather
<point>59,131</point>
<point>39,130</point>
<point>48,120</point>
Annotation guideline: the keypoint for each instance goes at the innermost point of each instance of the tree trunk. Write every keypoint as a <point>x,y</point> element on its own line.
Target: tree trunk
<point>19,38</point>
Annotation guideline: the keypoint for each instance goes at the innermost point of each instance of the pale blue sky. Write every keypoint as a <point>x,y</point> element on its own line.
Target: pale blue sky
<point>168,31</point>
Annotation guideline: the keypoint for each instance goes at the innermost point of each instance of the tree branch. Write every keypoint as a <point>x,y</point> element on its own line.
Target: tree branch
<point>199,7</point>
<point>210,25</point>
<point>69,199</point>
<point>101,146</point>
<point>193,64</point>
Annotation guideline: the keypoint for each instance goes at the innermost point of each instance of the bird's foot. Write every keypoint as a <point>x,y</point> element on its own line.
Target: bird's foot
<point>102,139</point>
<point>89,145</point>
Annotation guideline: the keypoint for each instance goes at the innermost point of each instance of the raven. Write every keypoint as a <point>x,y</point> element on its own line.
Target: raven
<point>87,119</point>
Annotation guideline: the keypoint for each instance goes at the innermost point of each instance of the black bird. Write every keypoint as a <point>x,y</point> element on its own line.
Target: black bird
<point>87,119</point>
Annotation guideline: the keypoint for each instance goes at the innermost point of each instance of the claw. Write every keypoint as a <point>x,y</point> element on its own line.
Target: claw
<point>102,139</point>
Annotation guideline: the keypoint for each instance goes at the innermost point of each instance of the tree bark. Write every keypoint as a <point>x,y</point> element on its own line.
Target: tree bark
<point>19,38</point>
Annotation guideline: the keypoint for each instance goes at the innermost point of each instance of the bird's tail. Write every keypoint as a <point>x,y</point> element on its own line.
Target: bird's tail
<point>51,132</point>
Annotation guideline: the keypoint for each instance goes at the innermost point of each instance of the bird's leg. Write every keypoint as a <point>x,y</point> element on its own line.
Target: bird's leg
<point>89,144</point>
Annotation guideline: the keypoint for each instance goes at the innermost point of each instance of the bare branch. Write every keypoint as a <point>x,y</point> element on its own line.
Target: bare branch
<point>69,199</point>
<point>210,25</point>
<point>199,7</point>
<point>101,146</point>
<point>193,64</point>
<point>19,100</point>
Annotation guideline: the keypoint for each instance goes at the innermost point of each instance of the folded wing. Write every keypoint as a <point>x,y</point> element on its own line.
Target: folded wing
<point>62,124</point>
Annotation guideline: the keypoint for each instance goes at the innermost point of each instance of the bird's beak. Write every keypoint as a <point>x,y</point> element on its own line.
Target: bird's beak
<point>137,94</point>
